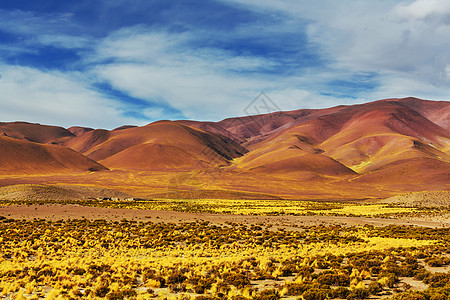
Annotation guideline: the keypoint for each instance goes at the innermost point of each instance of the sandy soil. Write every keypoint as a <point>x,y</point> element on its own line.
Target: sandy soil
<point>422,199</point>
<point>416,285</point>
<point>71,211</point>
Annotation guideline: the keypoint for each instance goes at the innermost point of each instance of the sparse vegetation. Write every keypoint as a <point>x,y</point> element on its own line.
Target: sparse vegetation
<point>75,259</point>
<point>254,207</point>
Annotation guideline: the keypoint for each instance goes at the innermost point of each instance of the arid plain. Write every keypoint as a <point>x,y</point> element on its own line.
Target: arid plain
<point>349,202</point>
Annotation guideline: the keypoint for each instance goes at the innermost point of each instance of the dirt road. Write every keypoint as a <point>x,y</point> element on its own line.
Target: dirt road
<point>70,211</point>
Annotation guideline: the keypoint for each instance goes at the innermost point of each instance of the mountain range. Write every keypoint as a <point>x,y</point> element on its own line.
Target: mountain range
<point>386,146</point>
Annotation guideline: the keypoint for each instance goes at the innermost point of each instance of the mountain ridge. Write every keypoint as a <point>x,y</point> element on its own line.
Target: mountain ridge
<point>394,143</point>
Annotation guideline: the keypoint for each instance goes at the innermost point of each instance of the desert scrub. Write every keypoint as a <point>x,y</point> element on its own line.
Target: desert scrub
<point>253,207</point>
<point>129,259</point>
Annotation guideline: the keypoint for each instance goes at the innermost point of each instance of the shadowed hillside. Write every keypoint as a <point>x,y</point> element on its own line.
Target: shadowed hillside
<point>36,192</point>
<point>22,157</point>
<point>35,132</point>
<point>375,149</point>
<point>157,146</point>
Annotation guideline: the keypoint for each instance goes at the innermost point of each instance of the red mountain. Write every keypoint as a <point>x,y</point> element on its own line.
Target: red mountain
<point>35,132</point>
<point>367,149</point>
<point>23,157</point>
<point>77,130</point>
<point>157,146</point>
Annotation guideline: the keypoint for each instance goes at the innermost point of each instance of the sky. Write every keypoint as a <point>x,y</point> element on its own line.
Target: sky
<point>106,63</point>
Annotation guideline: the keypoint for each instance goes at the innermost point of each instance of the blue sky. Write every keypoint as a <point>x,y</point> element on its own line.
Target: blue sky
<point>106,63</point>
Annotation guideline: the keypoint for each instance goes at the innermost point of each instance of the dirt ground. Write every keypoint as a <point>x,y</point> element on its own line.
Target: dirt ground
<point>71,211</point>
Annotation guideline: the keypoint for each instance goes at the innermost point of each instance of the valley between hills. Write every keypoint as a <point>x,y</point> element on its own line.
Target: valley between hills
<point>360,152</point>
<point>349,202</point>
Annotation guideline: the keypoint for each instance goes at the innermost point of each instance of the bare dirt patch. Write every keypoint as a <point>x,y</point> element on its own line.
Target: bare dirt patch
<point>421,199</point>
<point>73,211</point>
<point>416,285</point>
<point>39,192</point>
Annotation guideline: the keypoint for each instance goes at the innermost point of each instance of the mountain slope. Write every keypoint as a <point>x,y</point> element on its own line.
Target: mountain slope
<point>259,126</point>
<point>384,132</point>
<point>157,146</point>
<point>23,157</point>
<point>211,127</point>
<point>437,112</point>
<point>87,140</point>
<point>35,132</point>
<point>362,137</point>
<point>374,149</point>
<point>78,130</point>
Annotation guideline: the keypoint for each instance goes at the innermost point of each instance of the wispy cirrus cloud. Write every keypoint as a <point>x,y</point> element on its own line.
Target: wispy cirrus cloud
<point>208,60</point>
<point>403,44</point>
<point>28,23</point>
<point>204,83</point>
<point>432,11</point>
<point>60,99</point>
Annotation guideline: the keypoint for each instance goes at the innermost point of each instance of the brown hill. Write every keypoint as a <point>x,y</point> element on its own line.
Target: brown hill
<point>362,137</point>
<point>421,199</point>
<point>289,152</point>
<point>23,157</point>
<point>78,130</point>
<point>323,122</point>
<point>87,140</point>
<point>213,128</point>
<point>124,127</point>
<point>410,174</point>
<point>39,192</point>
<point>157,146</point>
<point>261,126</point>
<point>437,112</point>
<point>35,132</point>
<point>383,132</point>
<point>291,161</point>
<point>373,149</point>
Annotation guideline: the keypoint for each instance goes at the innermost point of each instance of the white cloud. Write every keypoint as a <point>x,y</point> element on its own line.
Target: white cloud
<point>404,42</point>
<point>61,41</point>
<point>159,67</point>
<point>137,44</point>
<point>293,99</point>
<point>197,92</point>
<point>427,10</point>
<point>143,45</point>
<point>26,23</point>
<point>408,85</point>
<point>32,95</point>
<point>447,72</point>
<point>33,30</point>
<point>207,83</point>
